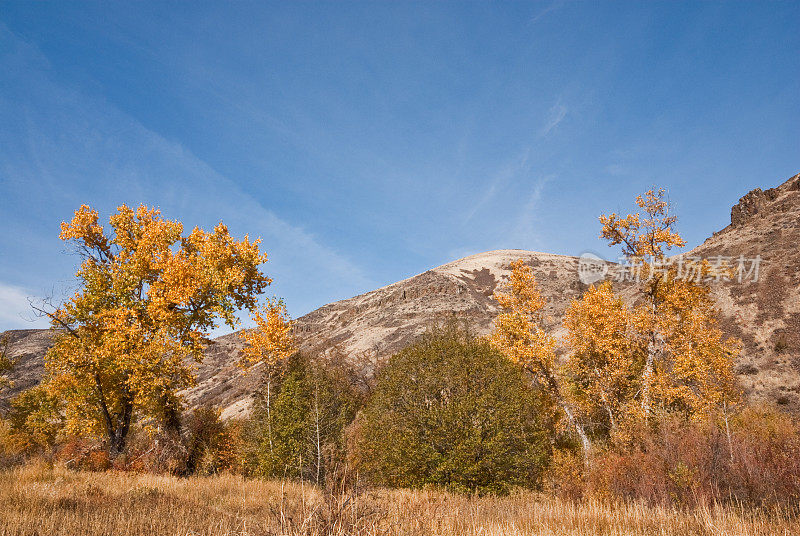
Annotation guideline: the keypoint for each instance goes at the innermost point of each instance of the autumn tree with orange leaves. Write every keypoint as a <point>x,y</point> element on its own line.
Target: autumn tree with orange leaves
<point>666,352</point>
<point>149,296</point>
<point>605,359</point>
<point>520,335</point>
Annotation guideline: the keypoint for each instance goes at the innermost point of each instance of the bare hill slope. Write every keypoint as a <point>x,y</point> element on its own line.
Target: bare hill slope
<point>381,322</point>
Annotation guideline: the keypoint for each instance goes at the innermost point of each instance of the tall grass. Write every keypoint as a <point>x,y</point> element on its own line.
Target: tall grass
<point>40,500</point>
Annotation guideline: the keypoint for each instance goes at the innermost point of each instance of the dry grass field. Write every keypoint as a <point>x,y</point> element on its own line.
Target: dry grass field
<point>38,500</point>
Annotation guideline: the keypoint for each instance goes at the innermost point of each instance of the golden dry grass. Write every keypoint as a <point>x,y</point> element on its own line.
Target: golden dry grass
<point>44,501</point>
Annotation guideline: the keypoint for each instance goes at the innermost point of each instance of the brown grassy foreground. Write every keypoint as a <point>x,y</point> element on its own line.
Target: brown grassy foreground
<point>44,501</point>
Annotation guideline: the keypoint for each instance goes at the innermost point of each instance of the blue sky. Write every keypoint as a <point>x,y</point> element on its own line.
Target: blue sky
<point>368,142</point>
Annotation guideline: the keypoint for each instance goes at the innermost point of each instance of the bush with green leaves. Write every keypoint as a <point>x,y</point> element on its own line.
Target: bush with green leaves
<point>299,430</point>
<point>451,411</point>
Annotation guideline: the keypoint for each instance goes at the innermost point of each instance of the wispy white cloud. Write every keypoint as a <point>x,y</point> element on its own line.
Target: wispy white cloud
<point>553,6</point>
<point>556,114</point>
<point>78,148</point>
<point>511,170</point>
<point>520,166</point>
<point>524,231</point>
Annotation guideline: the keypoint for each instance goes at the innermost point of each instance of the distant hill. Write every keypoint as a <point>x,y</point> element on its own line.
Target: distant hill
<point>764,314</point>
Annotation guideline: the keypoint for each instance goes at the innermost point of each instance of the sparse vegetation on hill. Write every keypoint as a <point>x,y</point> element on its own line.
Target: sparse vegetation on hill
<point>6,364</point>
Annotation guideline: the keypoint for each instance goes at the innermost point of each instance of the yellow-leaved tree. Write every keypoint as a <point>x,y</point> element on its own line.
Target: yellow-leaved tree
<point>606,359</point>
<point>520,335</point>
<point>271,343</point>
<point>148,297</point>
<point>666,351</point>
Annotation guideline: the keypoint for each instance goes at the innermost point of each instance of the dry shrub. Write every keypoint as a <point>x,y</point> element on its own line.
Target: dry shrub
<point>229,454</point>
<point>11,451</point>
<point>153,451</point>
<point>83,454</point>
<point>565,476</point>
<point>766,455</point>
<point>676,465</point>
<point>205,446</point>
<point>97,460</point>
<point>204,432</point>
<point>692,464</point>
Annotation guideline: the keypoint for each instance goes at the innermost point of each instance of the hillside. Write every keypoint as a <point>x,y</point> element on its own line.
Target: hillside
<point>764,314</point>
<point>381,322</point>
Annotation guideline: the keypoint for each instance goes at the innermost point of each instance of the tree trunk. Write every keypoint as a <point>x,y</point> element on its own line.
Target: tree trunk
<point>316,423</point>
<point>652,349</point>
<point>586,443</point>
<point>118,436</point>
<point>611,421</point>
<point>117,426</point>
<point>269,415</point>
<point>647,375</point>
<point>728,432</point>
<point>171,415</point>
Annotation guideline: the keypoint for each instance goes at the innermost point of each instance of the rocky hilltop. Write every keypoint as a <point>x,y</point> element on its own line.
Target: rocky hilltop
<point>765,314</point>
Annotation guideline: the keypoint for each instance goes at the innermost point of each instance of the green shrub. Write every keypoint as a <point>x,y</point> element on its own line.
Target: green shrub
<point>299,431</point>
<point>451,411</point>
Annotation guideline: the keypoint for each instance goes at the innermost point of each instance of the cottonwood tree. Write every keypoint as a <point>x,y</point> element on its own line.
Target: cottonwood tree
<point>148,297</point>
<point>312,402</point>
<point>667,351</point>
<point>270,344</point>
<point>606,360</point>
<point>520,335</point>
